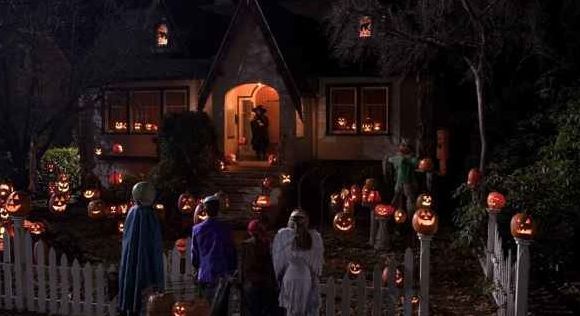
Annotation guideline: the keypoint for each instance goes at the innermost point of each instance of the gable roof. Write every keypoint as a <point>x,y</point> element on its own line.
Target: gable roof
<point>254,9</point>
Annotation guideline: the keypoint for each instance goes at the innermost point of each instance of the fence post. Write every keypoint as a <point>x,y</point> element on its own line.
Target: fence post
<point>491,231</point>
<point>522,276</point>
<point>383,239</point>
<point>424,273</point>
<point>19,262</point>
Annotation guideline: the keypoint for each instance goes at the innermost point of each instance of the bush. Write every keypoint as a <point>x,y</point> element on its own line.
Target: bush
<point>66,160</point>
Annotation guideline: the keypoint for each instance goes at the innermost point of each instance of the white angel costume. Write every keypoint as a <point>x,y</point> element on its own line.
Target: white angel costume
<point>298,272</point>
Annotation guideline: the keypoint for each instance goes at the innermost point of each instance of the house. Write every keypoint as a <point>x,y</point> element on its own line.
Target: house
<point>268,54</point>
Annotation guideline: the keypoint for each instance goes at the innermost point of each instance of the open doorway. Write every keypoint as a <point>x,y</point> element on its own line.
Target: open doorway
<point>238,105</point>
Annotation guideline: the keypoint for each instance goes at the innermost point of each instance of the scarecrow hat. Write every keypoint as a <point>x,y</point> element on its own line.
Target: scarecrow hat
<point>259,109</point>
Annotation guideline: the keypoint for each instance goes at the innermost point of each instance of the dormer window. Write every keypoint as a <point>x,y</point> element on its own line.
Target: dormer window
<point>365,27</point>
<point>162,35</point>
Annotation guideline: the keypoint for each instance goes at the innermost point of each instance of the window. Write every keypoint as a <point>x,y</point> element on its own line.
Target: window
<point>140,111</point>
<point>162,35</point>
<point>358,110</point>
<point>365,27</point>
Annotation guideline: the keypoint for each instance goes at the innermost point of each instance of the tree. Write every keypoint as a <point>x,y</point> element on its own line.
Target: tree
<point>412,36</point>
<point>50,55</point>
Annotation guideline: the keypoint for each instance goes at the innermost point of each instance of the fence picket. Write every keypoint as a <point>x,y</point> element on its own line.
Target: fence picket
<point>377,290</point>
<point>345,296</point>
<point>188,265</point>
<point>52,282</point>
<point>41,273</point>
<point>165,270</point>
<point>330,290</point>
<point>408,282</point>
<point>76,287</point>
<point>389,293</point>
<point>100,287</point>
<point>64,287</point>
<point>113,302</point>
<point>88,290</point>
<point>8,271</point>
<point>28,273</point>
<point>361,307</point>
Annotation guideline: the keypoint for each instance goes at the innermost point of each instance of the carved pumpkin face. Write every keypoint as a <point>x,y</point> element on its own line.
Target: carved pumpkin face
<point>116,178</point>
<point>354,268</point>
<point>425,221</point>
<point>18,203</point>
<point>202,215</point>
<point>62,183</point>
<point>355,193</point>
<point>262,200</point>
<point>91,193</point>
<point>285,178</point>
<point>51,187</point>
<point>98,151</point>
<point>58,202</point>
<point>343,222</point>
<point>4,215</point>
<point>415,300</point>
<point>425,165</point>
<point>495,202</point>
<point>267,183</point>
<point>49,166</point>
<point>5,190</point>
<point>182,309</point>
<point>120,226</point>
<point>374,197</point>
<point>473,178</point>
<point>117,148</point>
<point>272,159</point>
<point>522,226</point>
<point>181,245</point>
<point>35,228</point>
<point>341,122</point>
<point>400,216</point>
<point>367,125</point>
<point>383,211</point>
<point>399,279</point>
<point>186,203</point>
<point>96,209</point>
<point>424,201</point>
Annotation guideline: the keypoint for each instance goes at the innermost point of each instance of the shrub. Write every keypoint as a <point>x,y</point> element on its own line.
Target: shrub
<point>66,160</point>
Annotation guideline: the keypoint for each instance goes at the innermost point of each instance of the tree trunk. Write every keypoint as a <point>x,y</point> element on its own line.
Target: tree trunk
<point>477,79</point>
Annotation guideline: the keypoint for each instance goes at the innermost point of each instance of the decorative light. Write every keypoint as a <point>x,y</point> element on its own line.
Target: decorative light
<point>120,126</point>
<point>367,125</point>
<point>365,27</point>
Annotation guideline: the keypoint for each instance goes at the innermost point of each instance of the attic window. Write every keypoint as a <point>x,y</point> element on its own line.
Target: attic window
<point>162,35</point>
<point>365,27</point>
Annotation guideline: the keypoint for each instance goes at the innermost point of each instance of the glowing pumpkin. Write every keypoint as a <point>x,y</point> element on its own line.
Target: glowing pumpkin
<point>267,183</point>
<point>343,222</point>
<point>58,202</point>
<point>495,202</point>
<point>399,279</point>
<point>49,166</point>
<point>522,226</point>
<point>35,228</point>
<point>354,268</point>
<point>355,193</point>
<point>272,159</point>
<point>4,215</point>
<point>186,203</point>
<point>285,178</point>
<point>384,210</point>
<point>425,221</point>
<point>181,308</point>
<point>117,148</point>
<point>335,201</point>
<point>374,197</point>
<point>120,226</point>
<point>91,193</point>
<point>400,216</point>
<point>367,125</point>
<point>98,151</point>
<point>18,203</point>
<point>51,187</point>
<point>262,200</point>
<point>425,165</point>
<point>348,206</point>
<point>181,245</point>
<point>341,123</point>
<point>221,165</point>
<point>62,183</point>
<point>97,209</point>
<point>473,178</point>
<point>424,201</point>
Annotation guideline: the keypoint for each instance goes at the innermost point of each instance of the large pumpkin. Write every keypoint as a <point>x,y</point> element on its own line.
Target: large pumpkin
<point>384,211</point>
<point>58,202</point>
<point>425,221</point>
<point>473,178</point>
<point>495,202</point>
<point>343,222</point>
<point>97,209</point>
<point>424,200</point>
<point>186,203</point>
<point>18,203</point>
<point>522,226</point>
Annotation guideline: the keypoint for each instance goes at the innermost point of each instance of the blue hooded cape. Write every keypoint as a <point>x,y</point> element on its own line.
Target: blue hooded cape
<point>141,259</point>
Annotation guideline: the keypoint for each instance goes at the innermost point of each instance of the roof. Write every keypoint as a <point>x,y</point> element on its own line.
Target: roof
<point>163,69</point>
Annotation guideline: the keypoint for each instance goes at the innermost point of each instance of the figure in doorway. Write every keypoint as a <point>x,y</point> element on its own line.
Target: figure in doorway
<point>259,125</point>
<point>405,183</point>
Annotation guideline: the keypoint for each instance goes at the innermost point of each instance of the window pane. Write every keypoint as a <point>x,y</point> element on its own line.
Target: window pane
<point>343,96</point>
<point>145,111</point>
<point>374,110</point>
<point>175,101</point>
<point>116,112</point>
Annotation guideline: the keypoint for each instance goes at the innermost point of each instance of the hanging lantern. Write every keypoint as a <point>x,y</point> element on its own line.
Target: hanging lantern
<point>5,190</point>
<point>343,222</point>
<point>181,246</point>
<point>355,193</point>
<point>62,183</point>
<point>96,209</point>
<point>425,165</point>
<point>495,202</point>
<point>424,201</point>
<point>117,148</point>
<point>91,193</point>
<point>58,202</point>
<point>473,178</point>
<point>186,203</point>
<point>425,221</point>
<point>285,178</point>
<point>272,159</point>
<point>384,211</point>
<point>116,177</point>
<point>354,268</point>
<point>98,151</point>
<point>522,226</point>
<point>18,203</point>
<point>400,216</point>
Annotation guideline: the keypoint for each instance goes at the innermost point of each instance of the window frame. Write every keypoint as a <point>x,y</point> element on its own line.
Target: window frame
<point>358,87</point>
<point>128,93</point>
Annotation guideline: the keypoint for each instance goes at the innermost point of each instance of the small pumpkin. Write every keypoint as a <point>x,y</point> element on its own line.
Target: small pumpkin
<point>49,166</point>
<point>354,268</point>
<point>425,165</point>
<point>523,226</point>
<point>343,222</point>
<point>267,183</point>
<point>355,193</point>
<point>399,278</point>
<point>384,211</point>
<point>91,193</point>
<point>473,178</point>
<point>117,148</point>
<point>4,215</point>
<point>5,190</point>
<point>181,308</point>
<point>425,221</point>
<point>186,203</point>
<point>495,202</point>
<point>97,209</point>
<point>98,151</point>
<point>400,216</point>
<point>58,203</point>
<point>18,203</point>
<point>424,200</point>
<point>272,159</point>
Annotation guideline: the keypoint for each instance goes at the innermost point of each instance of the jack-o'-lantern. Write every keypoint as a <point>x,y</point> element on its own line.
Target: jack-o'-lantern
<point>355,193</point>
<point>400,216</point>
<point>383,211</point>
<point>122,208</point>
<point>354,268</point>
<point>367,125</point>
<point>415,299</point>
<point>473,178</point>
<point>181,245</point>
<point>116,177</point>
<point>35,228</point>
<point>348,206</point>
<point>374,197</point>
<point>272,159</point>
<point>425,221</point>
<point>267,183</point>
<point>120,125</point>
<point>425,165</point>
<point>120,226</point>
<point>221,165</point>
<point>262,200</point>
<point>62,183</point>
<point>159,206</point>
<point>150,127</point>
<point>341,123</point>
<point>202,215</point>
<point>96,209</point>
<point>5,190</point>
<point>399,278</point>
<point>58,202</point>
<point>51,187</point>
<point>4,215</point>
<point>424,201</point>
<point>522,226</point>
<point>91,193</point>
<point>18,203</point>
<point>186,203</point>
<point>98,151</point>
<point>343,222</point>
<point>285,178</point>
<point>49,166</point>
<point>112,211</point>
<point>117,148</point>
<point>335,202</point>
<point>345,194</point>
<point>181,308</point>
<point>495,202</point>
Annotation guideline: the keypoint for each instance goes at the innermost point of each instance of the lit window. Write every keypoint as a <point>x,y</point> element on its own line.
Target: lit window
<point>365,27</point>
<point>175,101</point>
<point>374,110</point>
<point>145,111</point>
<point>343,110</point>
<point>350,114</point>
<point>116,112</point>
<point>162,35</point>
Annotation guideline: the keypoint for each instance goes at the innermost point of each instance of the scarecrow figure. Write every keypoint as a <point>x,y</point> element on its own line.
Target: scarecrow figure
<point>405,183</point>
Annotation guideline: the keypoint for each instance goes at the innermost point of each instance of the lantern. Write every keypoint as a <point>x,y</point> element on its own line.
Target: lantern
<point>272,159</point>
<point>186,203</point>
<point>62,183</point>
<point>18,203</point>
<point>262,200</point>
<point>355,193</point>
<point>343,222</point>
<point>181,245</point>
<point>96,209</point>
<point>425,221</point>
<point>424,201</point>
<point>5,190</point>
<point>399,279</point>
<point>425,165</point>
<point>181,308</point>
<point>522,226</point>
<point>57,203</point>
<point>473,178</point>
<point>285,178</point>
<point>91,193</point>
<point>49,166</point>
<point>383,211</point>
<point>354,268</point>
<point>98,150</point>
<point>400,216</point>
<point>116,178</point>
<point>117,148</point>
<point>120,226</point>
<point>367,125</point>
<point>495,202</point>
<point>267,183</point>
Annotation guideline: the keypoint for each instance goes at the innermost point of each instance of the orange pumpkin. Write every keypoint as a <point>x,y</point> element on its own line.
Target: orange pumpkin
<point>58,202</point>
<point>186,203</point>
<point>91,193</point>
<point>98,151</point>
<point>35,228</point>
<point>18,203</point>
<point>348,206</point>
<point>117,148</point>
<point>495,202</point>
<point>400,216</point>
<point>354,268</point>
<point>425,165</point>
<point>473,178</point>
<point>425,221</point>
<point>181,245</point>
<point>49,166</point>
<point>4,215</point>
<point>285,178</point>
<point>97,209</point>
<point>522,226</point>
<point>62,183</point>
<point>374,197</point>
<point>424,200</point>
<point>343,222</point>
<point>383,211</point>
<point>262,200</point>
